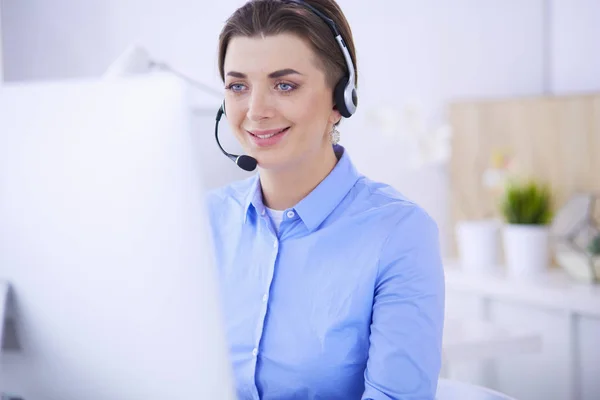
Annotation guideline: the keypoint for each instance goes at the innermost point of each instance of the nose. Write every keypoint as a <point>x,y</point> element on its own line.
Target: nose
<point>260,105</point>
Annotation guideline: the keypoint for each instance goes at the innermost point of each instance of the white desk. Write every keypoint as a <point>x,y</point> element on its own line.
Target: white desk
<point>554,290</point>
<point>475,340</point>
<point>453,390</point>
<point>566,313</point>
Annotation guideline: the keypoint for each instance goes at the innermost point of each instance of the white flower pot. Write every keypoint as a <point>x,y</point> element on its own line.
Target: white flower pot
<point>478,244</point>
<point>526,250</point>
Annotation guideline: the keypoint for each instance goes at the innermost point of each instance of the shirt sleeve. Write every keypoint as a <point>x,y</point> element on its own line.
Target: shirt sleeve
<point>408,314</point>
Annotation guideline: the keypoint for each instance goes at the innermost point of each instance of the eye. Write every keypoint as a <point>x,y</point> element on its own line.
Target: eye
<point>286,87</point>
<point>236,87</point>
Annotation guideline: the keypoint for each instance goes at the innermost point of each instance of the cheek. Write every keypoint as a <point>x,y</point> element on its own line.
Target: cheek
<point>313,111</point>
<point>235,117</point>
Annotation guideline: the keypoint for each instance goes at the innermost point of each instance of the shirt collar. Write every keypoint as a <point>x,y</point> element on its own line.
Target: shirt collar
<point>253,198</point>
<point>319,203</point>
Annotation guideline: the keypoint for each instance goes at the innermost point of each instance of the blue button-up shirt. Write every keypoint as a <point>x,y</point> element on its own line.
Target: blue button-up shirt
<point>345,302</point>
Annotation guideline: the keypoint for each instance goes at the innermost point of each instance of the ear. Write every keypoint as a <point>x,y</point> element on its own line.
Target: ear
<point>335,116</point>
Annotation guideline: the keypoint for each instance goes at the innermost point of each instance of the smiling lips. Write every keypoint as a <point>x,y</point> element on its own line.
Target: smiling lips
<point>270,137</point>
<point>265,134</point>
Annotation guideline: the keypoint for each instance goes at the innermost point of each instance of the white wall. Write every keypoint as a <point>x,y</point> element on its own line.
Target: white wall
<point>70,38</point>
<point>575,42</point>
<point>425,52</point>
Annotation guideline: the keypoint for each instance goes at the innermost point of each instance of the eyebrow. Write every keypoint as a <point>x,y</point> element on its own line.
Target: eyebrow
<point>273,75</point>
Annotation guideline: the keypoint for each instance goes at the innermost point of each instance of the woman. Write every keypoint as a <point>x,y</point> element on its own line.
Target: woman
<point>333,286</point>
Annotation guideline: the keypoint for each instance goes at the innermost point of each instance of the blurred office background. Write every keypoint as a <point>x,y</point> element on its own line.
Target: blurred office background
<point>431,73</point>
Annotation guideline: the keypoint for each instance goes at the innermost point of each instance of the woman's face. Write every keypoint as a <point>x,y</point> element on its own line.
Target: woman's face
<point>277,100</point>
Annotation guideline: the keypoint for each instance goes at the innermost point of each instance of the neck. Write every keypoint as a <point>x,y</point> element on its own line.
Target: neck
<point>284,188</point>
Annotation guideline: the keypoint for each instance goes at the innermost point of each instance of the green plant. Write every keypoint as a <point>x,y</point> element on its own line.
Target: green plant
<point>594,246</point>
<point>527,203</point>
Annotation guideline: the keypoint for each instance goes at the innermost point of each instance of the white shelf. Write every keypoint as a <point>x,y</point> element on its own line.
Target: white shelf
<point>555,289</point>
<point>473,340</point>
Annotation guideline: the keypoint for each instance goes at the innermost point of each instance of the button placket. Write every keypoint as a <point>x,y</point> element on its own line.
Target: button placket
<point>261,323</point>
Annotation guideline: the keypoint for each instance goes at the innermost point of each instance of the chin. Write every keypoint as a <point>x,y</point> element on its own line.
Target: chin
<point>276,160</point>
<point>268,163</point>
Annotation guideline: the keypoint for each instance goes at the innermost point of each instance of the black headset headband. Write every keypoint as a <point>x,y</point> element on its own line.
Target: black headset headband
<point>345,91</point>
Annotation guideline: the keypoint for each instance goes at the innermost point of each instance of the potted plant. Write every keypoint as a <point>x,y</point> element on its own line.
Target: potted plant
<point>527,211</point>
<point>478,240</point>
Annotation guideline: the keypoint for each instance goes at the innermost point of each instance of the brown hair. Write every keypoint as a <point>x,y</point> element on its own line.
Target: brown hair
<point>272,17</point>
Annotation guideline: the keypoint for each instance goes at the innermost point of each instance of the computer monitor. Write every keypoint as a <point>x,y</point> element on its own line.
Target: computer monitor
<point>104,241</point>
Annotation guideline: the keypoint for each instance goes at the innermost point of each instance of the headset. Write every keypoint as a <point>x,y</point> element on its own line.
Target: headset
<point>344,93</point>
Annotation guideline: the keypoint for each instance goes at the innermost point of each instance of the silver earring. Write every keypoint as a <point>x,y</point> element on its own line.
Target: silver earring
<point>334,135</point>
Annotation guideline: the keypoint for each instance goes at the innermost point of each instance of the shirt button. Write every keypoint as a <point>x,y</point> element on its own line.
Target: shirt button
<point>255,352</point>
<point>290,214</point>
<point>262,212</point>
<point>275,244</point>
<point>265,298</point>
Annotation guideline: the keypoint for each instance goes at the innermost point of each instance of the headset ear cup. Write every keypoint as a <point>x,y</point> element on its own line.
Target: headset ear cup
<point>338,97</point>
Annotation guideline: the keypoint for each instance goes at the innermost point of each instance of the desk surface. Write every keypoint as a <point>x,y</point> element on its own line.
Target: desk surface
<point>554,289</point>
<point>455,390</point>
<point>475,340</point>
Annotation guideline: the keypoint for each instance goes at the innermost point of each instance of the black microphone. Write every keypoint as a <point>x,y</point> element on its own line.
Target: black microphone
<point>243,161</point>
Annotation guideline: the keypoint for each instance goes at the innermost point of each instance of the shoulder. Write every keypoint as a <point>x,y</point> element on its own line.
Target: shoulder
<point>405,229</point>
<point>409,257</point>
<point>410,248</point>
<point>229,195</point>
<point>400,213</point>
